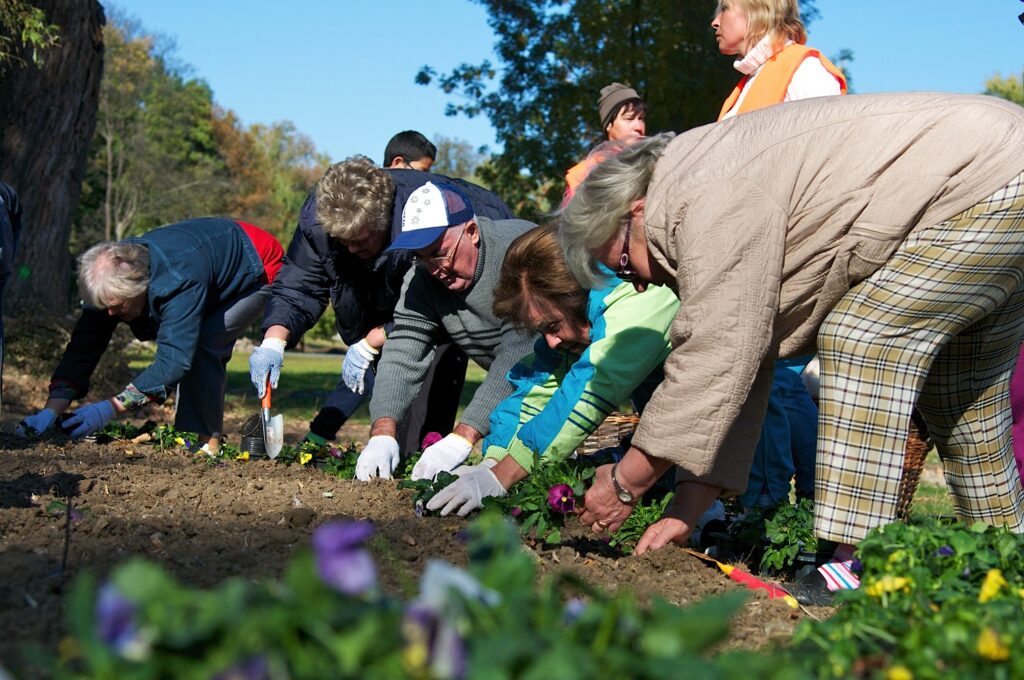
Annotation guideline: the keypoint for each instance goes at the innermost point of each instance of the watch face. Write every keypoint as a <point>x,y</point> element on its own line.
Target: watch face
<point>625,496</point>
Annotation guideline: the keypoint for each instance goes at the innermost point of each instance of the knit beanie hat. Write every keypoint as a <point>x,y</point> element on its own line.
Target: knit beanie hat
<point>611,96</point>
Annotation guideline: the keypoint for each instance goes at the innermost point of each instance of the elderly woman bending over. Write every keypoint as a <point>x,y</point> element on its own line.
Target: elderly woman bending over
<point>194,287</point>
<point>885,231</point>
<point>597,349</point>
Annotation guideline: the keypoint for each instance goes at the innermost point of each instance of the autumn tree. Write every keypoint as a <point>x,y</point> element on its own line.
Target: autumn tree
<point>457,158</point>
<point>154,157</point>
<point>48,104</point>
<point>1010,88</point>
<point>554,57</point>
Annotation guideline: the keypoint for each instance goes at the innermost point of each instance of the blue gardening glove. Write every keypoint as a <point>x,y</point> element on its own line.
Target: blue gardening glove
<point>357,359</point>
<point>377,459</point>
<point>89,418</point>
<point>33,426</point>
<point>467,493</point>
<point>445,455</point>
<point>265,364</point>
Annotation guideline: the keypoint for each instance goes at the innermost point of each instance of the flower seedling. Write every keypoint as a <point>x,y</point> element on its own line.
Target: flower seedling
<point>424,490</point>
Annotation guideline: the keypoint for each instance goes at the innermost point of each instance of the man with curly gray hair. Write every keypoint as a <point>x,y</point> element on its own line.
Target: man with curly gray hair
<point>337,256</point>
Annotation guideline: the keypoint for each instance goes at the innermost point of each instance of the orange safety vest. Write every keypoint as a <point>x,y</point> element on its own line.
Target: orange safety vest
<point>576,174</point>
<point>774,78</point>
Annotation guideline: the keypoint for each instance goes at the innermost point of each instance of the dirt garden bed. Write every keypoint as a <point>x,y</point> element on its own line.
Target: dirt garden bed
<point>205,523</point>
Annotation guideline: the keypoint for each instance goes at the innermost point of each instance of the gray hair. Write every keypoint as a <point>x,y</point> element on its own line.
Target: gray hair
<point>113,271</point>
<point>592,216</point>
<point>353,197</point>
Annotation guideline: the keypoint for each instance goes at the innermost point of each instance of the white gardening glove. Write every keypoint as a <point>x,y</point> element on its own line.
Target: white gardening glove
<point>265,364</point>
<point>467,493</point>
<point>377,459</point>
<point>33,426</point>
<point>357,359</point>
<point>89,418</point>
<point>444,456</point>
<point>811,375</point>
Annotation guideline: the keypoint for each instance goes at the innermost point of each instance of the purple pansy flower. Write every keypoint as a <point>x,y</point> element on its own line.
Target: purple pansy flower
<point>945,551</point>
<point>856,566</point>
<point>116,623</point>
<point>561,498</point>
<point>430,439</point>
<point>253,668</point>
<point>573,610</point>
<point>342,561</point>
<point>432,643</point>
<point>516,511</point>
<point>335,452</point>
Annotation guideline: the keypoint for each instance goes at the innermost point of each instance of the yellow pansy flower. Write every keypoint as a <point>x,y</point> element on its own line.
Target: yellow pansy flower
<point>244,455</point>
<point>887,584</point>
<point>899,673</point>
<point>990,647</point>
<point>305,458</point>
<point>994,582</point>
<point>179,441</point>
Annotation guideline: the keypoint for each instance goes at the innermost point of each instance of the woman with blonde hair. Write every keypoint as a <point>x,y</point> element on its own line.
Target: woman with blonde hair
<point>777,66</point>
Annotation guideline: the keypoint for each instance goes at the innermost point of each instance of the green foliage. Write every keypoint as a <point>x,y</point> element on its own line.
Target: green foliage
<point>554,56</point>
<point>24,27</point>
<point>644,515</point>
<point>941,600</point>
<point>782,532</point>
<point>528,500</point>
<point>425,489</point>
<point>499,621</point>
<point>1010,88</point>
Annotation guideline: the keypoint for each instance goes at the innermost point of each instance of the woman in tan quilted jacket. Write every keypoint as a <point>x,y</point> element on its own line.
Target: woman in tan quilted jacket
<point>886,232</point>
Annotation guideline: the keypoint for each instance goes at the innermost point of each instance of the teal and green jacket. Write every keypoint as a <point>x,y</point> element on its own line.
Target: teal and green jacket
<point>561,398</point>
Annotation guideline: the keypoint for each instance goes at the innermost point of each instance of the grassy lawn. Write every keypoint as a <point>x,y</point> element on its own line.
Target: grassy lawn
<point>306,381</point>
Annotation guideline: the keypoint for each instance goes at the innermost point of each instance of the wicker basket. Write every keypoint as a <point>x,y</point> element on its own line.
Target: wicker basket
<point>617,426</point>
<point>918,446</point>
<point>611,432</point>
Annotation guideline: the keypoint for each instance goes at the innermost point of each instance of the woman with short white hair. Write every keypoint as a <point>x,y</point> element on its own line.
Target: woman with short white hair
<point>885,231</point>
<point>194,287</point>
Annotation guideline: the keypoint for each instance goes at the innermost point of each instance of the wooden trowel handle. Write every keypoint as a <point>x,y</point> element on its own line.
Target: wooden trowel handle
<point>265,401</point>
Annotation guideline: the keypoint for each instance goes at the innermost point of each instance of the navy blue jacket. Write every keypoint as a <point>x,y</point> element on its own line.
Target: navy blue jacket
<point>195,266</point>
<point>318,269</point>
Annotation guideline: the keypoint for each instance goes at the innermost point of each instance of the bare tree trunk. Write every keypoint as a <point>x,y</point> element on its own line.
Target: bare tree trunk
<point>47,119</point>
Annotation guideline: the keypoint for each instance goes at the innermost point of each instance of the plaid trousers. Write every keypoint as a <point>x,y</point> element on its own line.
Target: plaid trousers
<point>938,326</point>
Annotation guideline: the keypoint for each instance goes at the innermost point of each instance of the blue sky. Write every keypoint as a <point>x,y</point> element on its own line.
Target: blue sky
<point>343,70</point>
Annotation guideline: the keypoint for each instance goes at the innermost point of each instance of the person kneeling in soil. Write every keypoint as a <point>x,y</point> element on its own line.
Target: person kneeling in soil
<point>192,286</point>
<point>598,348</point>
<point>448,293</point>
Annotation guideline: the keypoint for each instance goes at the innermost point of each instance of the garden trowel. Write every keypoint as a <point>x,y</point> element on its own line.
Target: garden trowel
<point>273,427</point>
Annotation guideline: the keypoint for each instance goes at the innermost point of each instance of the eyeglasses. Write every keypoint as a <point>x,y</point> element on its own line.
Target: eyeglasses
<point>625,272</point>
<point>440,262</point>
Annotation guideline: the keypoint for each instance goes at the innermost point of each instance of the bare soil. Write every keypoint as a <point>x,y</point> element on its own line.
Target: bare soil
<point>206,522</point>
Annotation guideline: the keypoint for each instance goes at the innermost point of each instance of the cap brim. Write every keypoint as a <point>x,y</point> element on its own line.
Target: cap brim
<point>414,240</point>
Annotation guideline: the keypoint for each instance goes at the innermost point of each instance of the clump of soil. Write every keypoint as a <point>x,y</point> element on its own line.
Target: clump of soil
<point>207,522</point>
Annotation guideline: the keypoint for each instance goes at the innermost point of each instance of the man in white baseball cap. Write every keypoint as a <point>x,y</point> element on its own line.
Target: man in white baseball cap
<point>448,292</point>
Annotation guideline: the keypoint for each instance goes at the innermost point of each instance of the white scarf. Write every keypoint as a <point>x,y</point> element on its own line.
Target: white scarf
<point>756,57</point>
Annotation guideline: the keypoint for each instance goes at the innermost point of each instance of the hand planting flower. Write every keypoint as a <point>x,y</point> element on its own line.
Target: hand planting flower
<point>342,560</point>
<point>429,439</point>
<point>561,498</point>
<point>117,626</point>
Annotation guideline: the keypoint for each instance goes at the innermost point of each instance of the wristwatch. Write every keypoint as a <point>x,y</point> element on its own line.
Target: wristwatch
<point>622,492</point>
